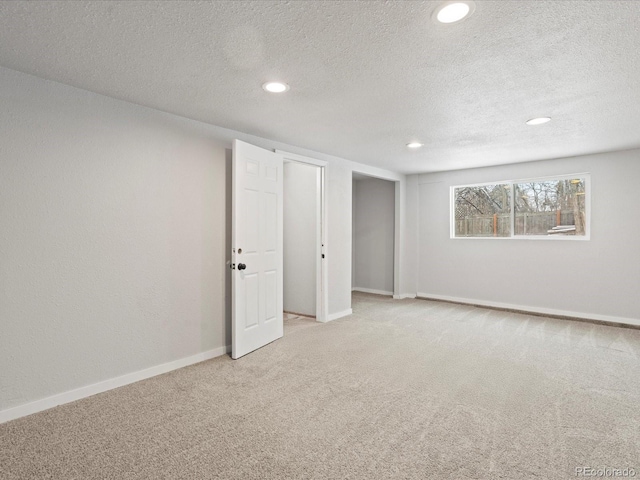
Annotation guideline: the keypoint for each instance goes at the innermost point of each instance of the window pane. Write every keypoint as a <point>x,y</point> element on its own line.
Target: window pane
<point>550,207</point>
<point>483,211</point>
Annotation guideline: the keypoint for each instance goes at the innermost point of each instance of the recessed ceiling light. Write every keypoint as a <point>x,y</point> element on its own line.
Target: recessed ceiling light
<point>275,87</point>
<point>538,121</point>
<point>414,145</point>
<point>452,12</point>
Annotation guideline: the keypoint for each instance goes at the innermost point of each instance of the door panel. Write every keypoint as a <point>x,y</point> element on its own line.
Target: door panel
<point>257,246</point>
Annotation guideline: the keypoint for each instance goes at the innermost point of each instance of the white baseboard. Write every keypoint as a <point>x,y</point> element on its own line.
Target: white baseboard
<point>335,316</point>
<point>404,295</point>
<point>538,310</point>
<point>87,391</point>
<point>371,290</point>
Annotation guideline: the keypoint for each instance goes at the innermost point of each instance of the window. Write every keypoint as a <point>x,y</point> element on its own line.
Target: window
<point>538,208</point>
<point>483,211</point>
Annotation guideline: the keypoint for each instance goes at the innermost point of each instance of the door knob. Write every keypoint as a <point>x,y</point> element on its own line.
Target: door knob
<point>241,266</point>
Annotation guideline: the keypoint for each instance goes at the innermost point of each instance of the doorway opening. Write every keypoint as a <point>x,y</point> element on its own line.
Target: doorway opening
<point>304,279</point>
<point>374,234</point>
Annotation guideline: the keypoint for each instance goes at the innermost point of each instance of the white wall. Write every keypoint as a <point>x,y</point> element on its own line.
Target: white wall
<point>112,243</point>
<point>373,235</point>
<point>300,237</point>
<point>114,237</point>
<point>599,278</point>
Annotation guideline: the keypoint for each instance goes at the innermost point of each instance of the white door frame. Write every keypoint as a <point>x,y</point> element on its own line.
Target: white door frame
<point>322,299</point>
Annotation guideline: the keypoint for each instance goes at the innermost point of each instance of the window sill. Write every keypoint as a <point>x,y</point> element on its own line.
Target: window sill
<point>552,238</point>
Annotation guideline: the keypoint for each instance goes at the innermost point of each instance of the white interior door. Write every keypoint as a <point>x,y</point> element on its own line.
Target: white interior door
<point>257,233</point>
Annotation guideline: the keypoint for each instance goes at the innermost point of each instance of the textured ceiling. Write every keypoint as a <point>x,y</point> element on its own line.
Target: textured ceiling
<point>366,77</point>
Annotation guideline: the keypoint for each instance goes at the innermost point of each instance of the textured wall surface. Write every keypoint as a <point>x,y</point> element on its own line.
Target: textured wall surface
<point>600,276</point>
<point>373,235</point>
<point>112,239</point>
<point>366,77</point>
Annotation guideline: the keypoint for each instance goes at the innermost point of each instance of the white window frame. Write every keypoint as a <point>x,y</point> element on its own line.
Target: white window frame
<point>587,206</point>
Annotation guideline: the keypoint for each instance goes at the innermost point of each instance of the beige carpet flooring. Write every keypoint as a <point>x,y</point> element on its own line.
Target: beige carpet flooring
<point>408,389</point>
